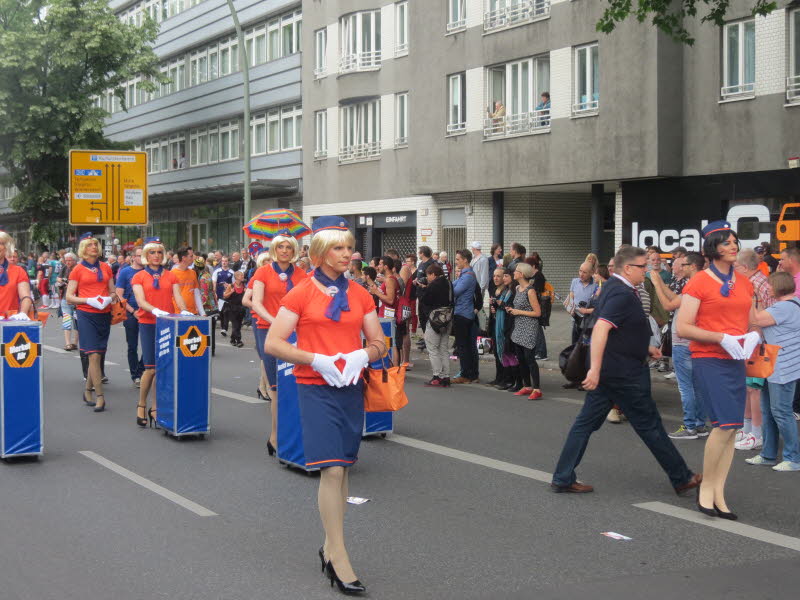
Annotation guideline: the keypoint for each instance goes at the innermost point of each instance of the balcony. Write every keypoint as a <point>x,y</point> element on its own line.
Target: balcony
<point>359,152</point>
<point>793,89</point>
<point>362,61</point>
<point>537,121</point>
<point>743,90</point>
<point>320,72</point>
<point>401,49</point>
<point>526,11</point>
<point>456,128</point>
<point>401,142</point>
<point>586,107</point>
<point>459,25</point>
<point>320,154</point>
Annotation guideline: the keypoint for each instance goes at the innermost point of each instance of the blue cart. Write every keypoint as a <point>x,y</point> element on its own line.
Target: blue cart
<point>183,375</point>
<point>21,389</point>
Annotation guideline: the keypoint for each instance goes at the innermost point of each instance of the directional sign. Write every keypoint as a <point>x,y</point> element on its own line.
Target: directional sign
<point>107,187</point>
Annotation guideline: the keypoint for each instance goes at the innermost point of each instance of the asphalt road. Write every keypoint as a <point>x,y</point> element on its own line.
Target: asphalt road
<point>459,504</point>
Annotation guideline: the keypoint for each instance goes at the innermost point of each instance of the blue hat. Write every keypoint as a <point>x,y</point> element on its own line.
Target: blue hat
<point>86,236</point>
<point>330,222</point>
<point>716,226</point>
<point>153,240</point>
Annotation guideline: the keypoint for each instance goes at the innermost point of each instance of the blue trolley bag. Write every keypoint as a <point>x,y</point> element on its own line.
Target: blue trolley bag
<point>21,389</point>
<point>183,375</point>
<point>381,423</point>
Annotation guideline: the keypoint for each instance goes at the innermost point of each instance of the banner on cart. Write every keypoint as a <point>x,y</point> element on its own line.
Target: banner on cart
<point>193,344</point>
<point>21,389</point>
<point>21,352</point>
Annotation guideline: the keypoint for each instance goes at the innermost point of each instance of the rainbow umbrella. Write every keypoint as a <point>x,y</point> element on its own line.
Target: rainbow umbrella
<point>272,222</point>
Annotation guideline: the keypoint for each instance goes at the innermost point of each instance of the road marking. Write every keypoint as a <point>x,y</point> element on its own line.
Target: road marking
<point>146,483</point>
<point>748,531</point>
<point>54,349</point>
<point>235,396</point>
<point>476,459</point>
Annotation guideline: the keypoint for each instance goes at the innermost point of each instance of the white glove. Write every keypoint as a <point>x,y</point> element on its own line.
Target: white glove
<point>19,317</point>
<point>326,366</point>
<point>732,346</point>
<point>99,302</point>
<point>354,363</point>
<point>187,313</point>
<point>751,340</point>
<point>157,312</point>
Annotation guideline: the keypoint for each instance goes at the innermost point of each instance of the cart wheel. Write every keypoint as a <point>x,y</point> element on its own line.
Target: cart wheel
<point>202,436</point>
<point>383,435</point>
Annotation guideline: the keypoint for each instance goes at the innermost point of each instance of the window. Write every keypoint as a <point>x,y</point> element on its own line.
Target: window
<point>360,131</point>
<point>198,147</point>
<point>274,130</point>
<point>739,59</point>
<point>291,26</point>
<point>198,67</point>
<point>321,134</point>
<point>176,71</point>
<point>793,81</point>
<point>213,62</point>
<point>229,140</point>
<point>213,143</point>
<point>587,80</point>
<point>291,127</point>
<point>401,22</point>
<point>274,39</point>
<point>258,134</point>
<point>320,52</point>
<point>401,120</point>
<point>177,151</point>
<point>501,14</point>
<point>361,41</point>
<point>457,103</point>
<point>228,56</point>
<point>514,93</point>
<point>456,15</point>
<point>255,40</point>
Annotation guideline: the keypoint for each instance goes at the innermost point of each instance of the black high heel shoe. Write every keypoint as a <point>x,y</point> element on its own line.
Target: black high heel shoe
<point>88,402</point>
<point>726,515</point>
<point>262,396</point>
<point>152,419</point>
<point>140,421</point>
<point>322,558</point>
<point>270,448</point>
<point>354,587</point>
<point>99,408</point>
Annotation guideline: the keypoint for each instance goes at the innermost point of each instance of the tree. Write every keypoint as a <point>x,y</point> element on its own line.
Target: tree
<point>56,57</point>
<point>669,15</point>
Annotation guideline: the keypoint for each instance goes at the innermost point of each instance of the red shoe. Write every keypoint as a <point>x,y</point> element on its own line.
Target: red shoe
<point>523,392</point>
<point>535,395</point>
<point>435,382</point>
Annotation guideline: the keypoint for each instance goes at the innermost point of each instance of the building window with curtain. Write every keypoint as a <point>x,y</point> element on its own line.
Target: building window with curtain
<point>321,134</point>
<point>291,127</point>
<point>401,26</point>
<point>514,97</point>
<point>401,120</point>
<point>360,131</point>
<point>320,53</point>
<point>738,59</point>
<point>456,15</point>
<point>360,41</point>
<point>586,88</point>
<point>456,103</point>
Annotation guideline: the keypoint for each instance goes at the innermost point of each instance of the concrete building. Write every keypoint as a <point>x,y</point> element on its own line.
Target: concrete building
<point>428,126</point>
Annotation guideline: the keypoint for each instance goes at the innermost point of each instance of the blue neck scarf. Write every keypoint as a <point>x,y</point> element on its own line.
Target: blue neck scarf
<point>339,301</point>
<point>94,268</point>
<point>727,280</point>
<point>156,275</point>
<point>4,273</point>
<point>288,272</point>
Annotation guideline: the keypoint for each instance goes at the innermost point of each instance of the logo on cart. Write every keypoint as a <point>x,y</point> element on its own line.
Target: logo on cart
<point>20,353</point>
<point>192,343</point>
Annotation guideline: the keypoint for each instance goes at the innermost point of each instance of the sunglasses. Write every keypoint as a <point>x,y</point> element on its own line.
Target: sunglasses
<point>644,266</point>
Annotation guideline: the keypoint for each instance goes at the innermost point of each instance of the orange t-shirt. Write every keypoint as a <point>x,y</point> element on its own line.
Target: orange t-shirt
<point>729,315</point>
<point>89,287</point>
<point>160,298</point>
<point>9,293</point>
<point>274,289</point>
<point>319,334</point>
<point>187,279</point>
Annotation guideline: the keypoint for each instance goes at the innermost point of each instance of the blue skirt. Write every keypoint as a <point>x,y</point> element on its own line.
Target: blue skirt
<point>147,337</point>
<point>722,385</point>
<point>93,330</point>
<point>270,363</point>
<point>333,420</point>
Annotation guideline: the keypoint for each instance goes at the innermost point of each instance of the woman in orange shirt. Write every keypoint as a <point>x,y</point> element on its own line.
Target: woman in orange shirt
<point>329,313</point>
<point>262,391</point>
<point>91,289</point>
<point>716,312</point>
<point>15,287</point>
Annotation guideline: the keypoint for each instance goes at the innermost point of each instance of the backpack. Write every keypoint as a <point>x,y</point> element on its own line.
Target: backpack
<point>477,296</point>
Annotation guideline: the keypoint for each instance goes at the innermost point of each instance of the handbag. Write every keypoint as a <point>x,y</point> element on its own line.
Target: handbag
<point>118,312</point>
<point>762,362</point>
<point>384,389</point>
<point>440,318</point>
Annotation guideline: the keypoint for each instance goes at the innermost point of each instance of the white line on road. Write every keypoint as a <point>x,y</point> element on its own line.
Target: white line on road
<point>748,531</point>
<point>54,349</point>
<point>147,484</point>
<point>473,458</point>
<point>235,396</point>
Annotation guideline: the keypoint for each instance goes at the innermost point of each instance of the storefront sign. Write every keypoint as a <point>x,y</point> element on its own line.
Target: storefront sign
<point>390,220</point>
<point>426,231</point>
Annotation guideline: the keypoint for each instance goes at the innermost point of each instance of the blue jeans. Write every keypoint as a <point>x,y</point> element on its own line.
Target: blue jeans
<point>776,410</point>
<point>634,398</point>
<point>694,414</point>
<point>135,364</point>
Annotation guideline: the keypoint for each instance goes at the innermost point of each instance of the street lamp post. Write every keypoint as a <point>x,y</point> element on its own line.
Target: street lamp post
<point>244,63</point>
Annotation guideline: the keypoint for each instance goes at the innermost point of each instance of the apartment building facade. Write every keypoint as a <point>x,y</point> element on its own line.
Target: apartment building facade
<point>428,125</point>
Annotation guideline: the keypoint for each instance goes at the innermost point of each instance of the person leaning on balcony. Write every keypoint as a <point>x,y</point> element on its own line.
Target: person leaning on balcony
<point>498,116</point>
<point>544,105</point>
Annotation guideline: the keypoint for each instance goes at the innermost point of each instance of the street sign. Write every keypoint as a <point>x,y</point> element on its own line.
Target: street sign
<point>107,187</point>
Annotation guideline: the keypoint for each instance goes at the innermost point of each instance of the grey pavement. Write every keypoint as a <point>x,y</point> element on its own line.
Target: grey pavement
<point>465,516</point>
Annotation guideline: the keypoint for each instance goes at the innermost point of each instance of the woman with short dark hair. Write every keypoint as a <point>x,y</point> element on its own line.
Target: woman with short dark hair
<point>437,296</point>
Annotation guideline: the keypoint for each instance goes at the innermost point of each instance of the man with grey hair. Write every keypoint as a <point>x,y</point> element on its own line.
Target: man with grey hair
<point>480,264</point>
<point>446,266</point>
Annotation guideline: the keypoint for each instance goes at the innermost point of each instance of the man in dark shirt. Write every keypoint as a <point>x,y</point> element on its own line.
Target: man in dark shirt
<point>425,255</point>
<point>131,323</point>
<point>618,374</point>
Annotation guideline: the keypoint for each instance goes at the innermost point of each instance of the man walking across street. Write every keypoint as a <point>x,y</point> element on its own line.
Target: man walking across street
<point>480,265</point>
<point>464,329</point>
<point>131,324</point>
<point>619,374</point>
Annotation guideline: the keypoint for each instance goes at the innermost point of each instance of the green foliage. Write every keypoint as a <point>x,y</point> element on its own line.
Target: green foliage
<point>55,56</point>
<point>669,15</point>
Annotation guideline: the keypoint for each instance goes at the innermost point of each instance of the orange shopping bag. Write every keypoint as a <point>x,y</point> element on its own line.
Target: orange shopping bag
<point>384,389</point>
<point>762,362</point>
<point>118,312</point>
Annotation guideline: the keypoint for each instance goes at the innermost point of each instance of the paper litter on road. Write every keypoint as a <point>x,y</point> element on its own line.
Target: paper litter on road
<point>356,500</point>
<point>616,536</point>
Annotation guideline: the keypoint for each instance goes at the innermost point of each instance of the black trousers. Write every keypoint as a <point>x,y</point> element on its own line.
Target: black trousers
<point>233,314</point>
<point>528,367</point>
<point>466,334</point>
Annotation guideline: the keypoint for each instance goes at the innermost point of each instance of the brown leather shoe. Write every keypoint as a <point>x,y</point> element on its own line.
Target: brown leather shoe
<point>463,380</point>
<point>689,485</point>
<point>573,488</point>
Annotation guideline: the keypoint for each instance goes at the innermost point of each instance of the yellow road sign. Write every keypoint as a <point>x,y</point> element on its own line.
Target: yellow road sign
<point>107,187</point>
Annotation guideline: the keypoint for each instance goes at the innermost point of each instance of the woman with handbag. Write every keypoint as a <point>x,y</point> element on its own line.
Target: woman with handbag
<point>329,313</point>
<point>504,325</point>
<point>716,311</point>
<point>780,324</point>
<point>526,312</point>
<point>437,299</point>
<point>496,289</point>
<point>91,289</point>
<point>155,288</point>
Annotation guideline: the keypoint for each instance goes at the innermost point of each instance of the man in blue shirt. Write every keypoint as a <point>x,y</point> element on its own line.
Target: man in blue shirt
<point>618,374</point>
<point>222,275</point>
<point>131,323</point>
<point>464,329</point>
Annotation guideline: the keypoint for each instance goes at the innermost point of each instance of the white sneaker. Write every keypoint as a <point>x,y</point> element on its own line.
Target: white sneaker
<point>614,416</point>
<point>759,460</point>
<point>750,442</point>
<point>787,465</point>
<point>670,375</point>
<point>797,416</point>
<point>740,435</point>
